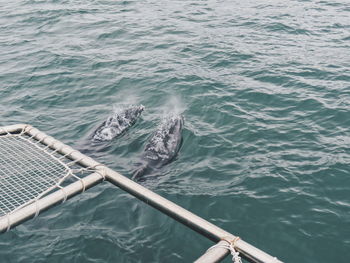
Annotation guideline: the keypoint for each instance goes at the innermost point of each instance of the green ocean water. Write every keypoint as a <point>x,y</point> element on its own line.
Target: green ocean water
<point>264,87</point>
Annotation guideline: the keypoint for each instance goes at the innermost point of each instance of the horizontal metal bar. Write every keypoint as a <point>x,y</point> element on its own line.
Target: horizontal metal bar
<point>62,148</point>
<point>214,255</point>
<point>187,218</point>
<point>12,128</point>
<point>28,212</point>
<point>180,214</point>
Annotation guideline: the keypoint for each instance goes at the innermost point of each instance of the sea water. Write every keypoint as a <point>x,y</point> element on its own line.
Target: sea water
<point>264,87</point>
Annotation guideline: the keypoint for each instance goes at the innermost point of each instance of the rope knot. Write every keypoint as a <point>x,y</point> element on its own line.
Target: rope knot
<point>231,247</point>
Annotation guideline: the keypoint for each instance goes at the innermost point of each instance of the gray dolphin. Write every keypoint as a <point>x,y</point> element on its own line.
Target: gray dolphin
<point>117,123</point>
<point>162,147</point>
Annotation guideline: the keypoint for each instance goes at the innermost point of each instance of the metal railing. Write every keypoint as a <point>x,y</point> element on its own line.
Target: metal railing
<point>167,207</point>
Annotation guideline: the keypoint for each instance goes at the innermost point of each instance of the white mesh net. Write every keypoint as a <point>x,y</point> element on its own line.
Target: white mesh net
<point>29,170</point>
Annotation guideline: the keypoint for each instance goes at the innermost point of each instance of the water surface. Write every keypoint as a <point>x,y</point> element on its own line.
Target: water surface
<point>264,88</point>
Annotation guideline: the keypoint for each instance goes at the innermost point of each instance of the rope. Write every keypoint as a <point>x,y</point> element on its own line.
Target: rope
<point>65,196</point>
<point>37,210</point>
<point>8,223</point>
<point>32,165</point>
<point>229,246</point>
<point>4,130</point>
<point>81,181</point>
<point>30,169</point>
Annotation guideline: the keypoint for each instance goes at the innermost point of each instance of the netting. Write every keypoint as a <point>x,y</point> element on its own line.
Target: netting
<point>29,170</point>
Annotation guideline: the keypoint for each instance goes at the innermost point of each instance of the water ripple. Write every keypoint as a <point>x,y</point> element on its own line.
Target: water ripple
<point>265,93</point>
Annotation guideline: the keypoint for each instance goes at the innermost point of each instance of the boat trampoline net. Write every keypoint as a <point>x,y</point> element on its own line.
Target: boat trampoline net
<point>30,170</point>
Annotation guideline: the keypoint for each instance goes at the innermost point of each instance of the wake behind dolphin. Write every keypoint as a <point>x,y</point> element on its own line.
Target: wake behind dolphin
<point>117,123</point>
<point>162,146</point>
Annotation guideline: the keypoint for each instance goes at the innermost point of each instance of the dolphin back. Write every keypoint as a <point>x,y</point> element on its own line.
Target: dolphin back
<point>165,141</point>
<point>162,147</point>
<point>117,123</point>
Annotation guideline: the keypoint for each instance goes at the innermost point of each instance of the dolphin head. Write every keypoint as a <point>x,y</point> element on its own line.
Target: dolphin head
<point>117,123</point>
<point>165,141</point>
<point>133,112</point>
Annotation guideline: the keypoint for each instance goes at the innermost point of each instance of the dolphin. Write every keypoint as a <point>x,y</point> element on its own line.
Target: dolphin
<point>162,147</point>
<point>117,123</point>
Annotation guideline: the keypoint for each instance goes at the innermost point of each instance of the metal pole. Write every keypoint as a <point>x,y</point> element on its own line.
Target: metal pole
<point>62,148</point>
<point>187,218</point>
<point>12,128</point>
<point>214,255</point>
<point>28,212</point>
<point>180,214</point>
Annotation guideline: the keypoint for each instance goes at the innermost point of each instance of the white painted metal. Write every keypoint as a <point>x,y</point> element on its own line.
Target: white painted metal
<point>48,201</point>
<point>214,255</point>
<point>165,206</point>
